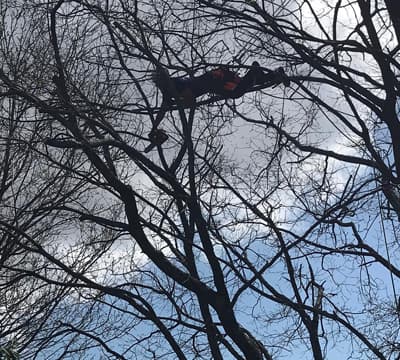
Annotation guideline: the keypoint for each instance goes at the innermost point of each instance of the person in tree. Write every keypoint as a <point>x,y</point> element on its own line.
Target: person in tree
<point>220,81</point>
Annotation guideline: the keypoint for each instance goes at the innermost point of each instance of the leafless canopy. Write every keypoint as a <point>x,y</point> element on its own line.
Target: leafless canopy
<point>266,227</point>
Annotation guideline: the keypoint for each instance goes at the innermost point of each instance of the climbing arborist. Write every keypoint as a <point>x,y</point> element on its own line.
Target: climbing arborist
<point>221,81</point>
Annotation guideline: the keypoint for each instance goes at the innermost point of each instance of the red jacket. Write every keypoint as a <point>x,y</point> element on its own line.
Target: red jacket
<point>229,78</point>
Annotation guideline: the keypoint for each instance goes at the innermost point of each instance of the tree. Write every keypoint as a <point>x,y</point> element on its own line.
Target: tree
<point>200,249</point>
<point>7,354</point>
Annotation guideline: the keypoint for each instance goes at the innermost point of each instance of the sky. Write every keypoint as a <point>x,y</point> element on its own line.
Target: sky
<point>239,147</point>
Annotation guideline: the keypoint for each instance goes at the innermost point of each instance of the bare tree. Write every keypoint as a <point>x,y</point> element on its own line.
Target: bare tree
<point>265,227</point>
